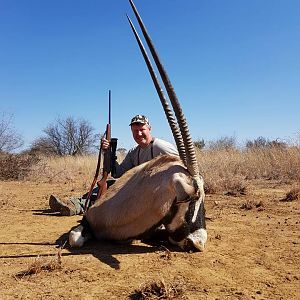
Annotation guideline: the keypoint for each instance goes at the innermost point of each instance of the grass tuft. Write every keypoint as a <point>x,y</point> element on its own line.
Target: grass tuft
<point>42,265</point>
<point>158,290</point>
<point>292,195</point>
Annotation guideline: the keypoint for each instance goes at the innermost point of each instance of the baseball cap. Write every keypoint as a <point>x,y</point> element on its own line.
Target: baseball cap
<point>140,119</point>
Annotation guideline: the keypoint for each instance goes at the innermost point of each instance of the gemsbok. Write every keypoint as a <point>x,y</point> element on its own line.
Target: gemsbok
<point>167,190</point>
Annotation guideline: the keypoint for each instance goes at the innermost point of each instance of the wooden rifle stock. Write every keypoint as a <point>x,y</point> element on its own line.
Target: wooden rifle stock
<point>106,163</point>
<point>102,185</point>
<point>88,198</point>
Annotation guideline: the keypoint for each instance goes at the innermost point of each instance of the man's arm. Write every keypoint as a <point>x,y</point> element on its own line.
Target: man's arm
<point>163,147</point>
<point>125,165</point>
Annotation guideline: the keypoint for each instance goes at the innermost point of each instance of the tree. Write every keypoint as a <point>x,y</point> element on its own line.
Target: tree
<point>200,144</point>
<point>223,143</point>
<point>259,142</point>
<point>66,137</point>
<point>10,140</point>
<point>262,142</point>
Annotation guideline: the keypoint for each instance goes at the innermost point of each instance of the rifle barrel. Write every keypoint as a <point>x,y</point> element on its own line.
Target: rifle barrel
<point>109,107</point>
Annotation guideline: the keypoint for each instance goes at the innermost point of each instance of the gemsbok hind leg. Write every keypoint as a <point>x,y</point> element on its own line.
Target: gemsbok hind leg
<point>80,234</point>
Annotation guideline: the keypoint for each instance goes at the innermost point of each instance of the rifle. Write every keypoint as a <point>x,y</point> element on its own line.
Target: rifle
<point>106,162</point>
<point>113,156</point>
<point>107,154</point>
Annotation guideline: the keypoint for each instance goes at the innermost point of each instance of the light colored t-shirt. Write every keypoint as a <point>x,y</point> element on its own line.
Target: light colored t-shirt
<point>138,155</point>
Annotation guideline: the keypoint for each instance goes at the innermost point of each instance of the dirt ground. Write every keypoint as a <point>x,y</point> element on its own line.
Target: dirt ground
<point>253,251</point>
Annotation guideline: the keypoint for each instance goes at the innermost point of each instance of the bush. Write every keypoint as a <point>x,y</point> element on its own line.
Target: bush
<point>200,144</point>
<point>16,166</point>
<point>262,142</point>
<point>223,143</point>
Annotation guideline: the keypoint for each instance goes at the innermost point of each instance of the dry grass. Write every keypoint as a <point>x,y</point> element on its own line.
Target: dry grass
<point>292,195</point>
<point>224,171</point>
<point>158,290</point>
<point>227,171</point>
<point>272,163</point>
<point>64,169</point>
<point>251,204</point>
<point>41,264</point>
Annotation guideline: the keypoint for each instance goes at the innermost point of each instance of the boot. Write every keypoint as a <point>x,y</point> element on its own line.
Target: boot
<point>65,209</point>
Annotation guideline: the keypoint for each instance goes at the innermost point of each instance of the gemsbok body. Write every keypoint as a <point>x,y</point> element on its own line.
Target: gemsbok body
<point>159,192</point>
<point>167,190</point>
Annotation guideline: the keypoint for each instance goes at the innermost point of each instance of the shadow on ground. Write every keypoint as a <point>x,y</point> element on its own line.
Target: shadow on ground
<point>105,250</point>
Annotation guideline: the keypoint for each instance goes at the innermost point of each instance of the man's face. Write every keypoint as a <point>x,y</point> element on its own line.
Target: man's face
<point>141,134</point>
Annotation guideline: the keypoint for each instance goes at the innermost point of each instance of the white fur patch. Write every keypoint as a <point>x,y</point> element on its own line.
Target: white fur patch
<point>76,240</point>
<point>197,206</point>
<point>198,238</point>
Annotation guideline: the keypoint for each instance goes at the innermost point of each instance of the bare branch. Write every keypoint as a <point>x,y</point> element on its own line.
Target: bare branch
<point>66,137</point>
<point>10,140</point>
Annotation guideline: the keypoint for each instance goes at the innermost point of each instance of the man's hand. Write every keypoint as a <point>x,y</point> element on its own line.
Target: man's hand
<point>104,144</point>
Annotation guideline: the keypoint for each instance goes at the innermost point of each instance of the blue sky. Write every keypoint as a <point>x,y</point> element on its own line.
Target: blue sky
<point>234,64</point>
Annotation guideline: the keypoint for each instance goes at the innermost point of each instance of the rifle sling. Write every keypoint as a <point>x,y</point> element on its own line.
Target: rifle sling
<point>152,156</point>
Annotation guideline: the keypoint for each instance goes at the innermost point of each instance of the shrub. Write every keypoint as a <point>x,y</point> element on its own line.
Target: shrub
<point>223,143</point>
<point>262,142</point>
<point>16,166</point>
<point>200,144</point>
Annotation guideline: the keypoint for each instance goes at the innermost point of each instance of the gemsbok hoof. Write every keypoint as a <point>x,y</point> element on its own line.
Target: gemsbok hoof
<point>76,237</point>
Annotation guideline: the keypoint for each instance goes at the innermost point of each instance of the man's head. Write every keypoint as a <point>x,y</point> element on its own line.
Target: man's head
<point>141,130</point>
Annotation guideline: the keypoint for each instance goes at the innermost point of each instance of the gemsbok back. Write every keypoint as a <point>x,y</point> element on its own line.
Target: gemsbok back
<point>167,190</point>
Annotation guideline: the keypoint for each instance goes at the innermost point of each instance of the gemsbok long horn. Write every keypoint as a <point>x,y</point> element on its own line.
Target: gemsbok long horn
<point>168,111</point>
<point>192,164</point>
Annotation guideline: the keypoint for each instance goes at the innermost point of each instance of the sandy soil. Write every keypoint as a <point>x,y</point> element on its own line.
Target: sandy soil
<point>253,251</point>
